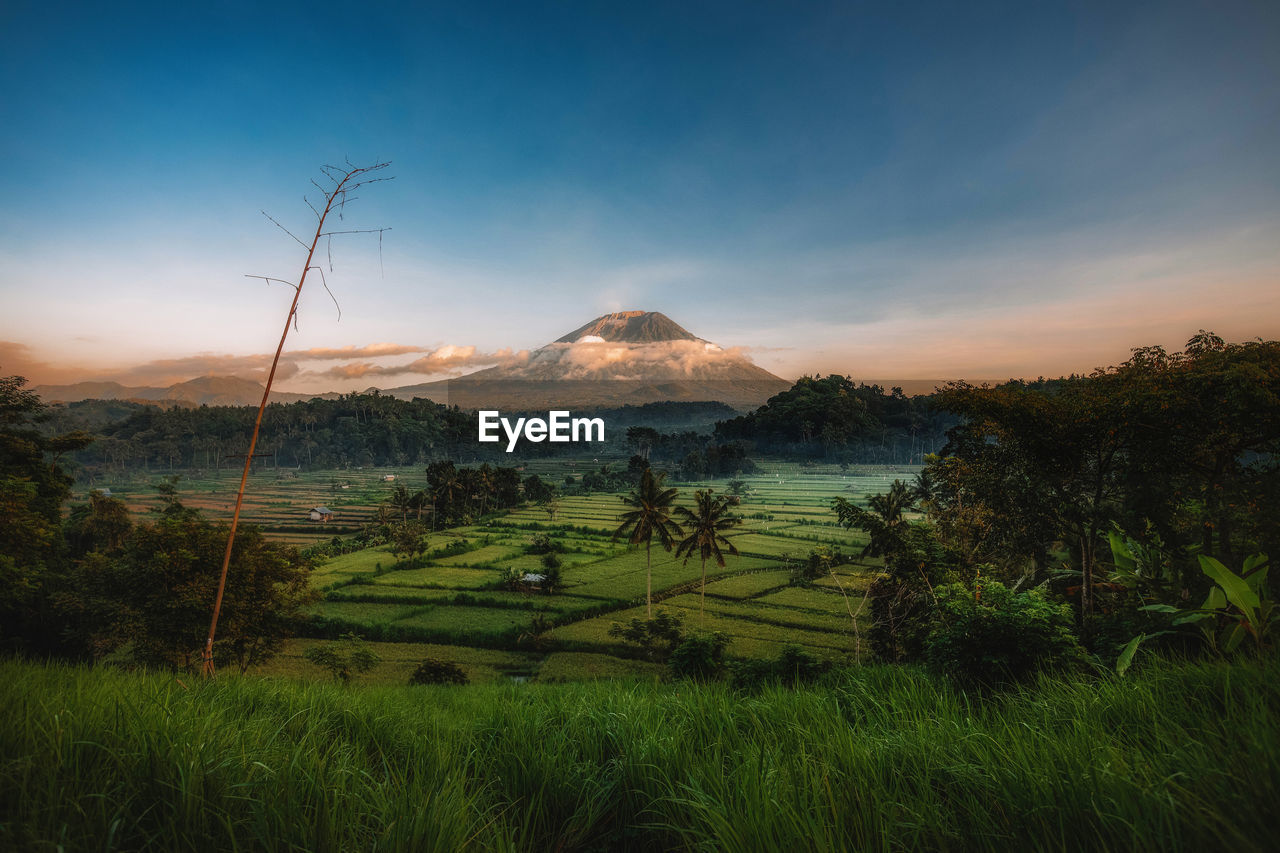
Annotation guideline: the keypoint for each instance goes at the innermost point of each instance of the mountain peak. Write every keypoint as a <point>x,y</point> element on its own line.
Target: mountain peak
<point>630,327</point>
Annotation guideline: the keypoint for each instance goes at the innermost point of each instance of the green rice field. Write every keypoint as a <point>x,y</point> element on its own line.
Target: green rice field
<point>455,602</point>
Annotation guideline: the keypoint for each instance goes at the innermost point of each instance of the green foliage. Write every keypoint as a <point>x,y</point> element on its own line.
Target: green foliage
<point>883,520</point>
<point>101,759</point>
<point>704,529</point>
<point>995,636</point>
<point>903,600</point>
<point>793,667</point>
<point>103,524</point>
<point>552,575</point>
<point>700,657</point>
<point>648,515</point>
<point>1143,568</point>
<point>408,539</point>
<point>33,488</point>
<point>537,490</point>
<point>347,657</point>
<point>814,412</point>
<point>1184,446</point>
<point>818,564</point>
<point>657,637</point>
<point>551,507</point>
<point>1236,609</point>
<point>154,594</point>
<point>796,666</point>
<point>1125,659</point>
<point>432,671</point>
<point>461,495</point>
<point>512,578</point>
<point>1143,574</point>
<point>542,543</point>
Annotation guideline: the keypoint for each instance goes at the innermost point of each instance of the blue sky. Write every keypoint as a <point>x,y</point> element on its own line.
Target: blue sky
<point>888,190</point>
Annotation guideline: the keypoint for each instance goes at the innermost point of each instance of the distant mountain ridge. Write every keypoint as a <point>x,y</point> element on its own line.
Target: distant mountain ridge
<point>201,391</point>
<point>617,359</point>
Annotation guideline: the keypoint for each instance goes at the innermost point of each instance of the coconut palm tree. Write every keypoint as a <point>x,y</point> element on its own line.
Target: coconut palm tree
<point>705,525</point>
<point>401,500</point>
<point>649,515</point>
<point>445,489</point>
<point>883,519</point>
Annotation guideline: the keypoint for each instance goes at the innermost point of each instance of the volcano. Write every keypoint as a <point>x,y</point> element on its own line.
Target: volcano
<point>619,359</point>
<point>629,327</point>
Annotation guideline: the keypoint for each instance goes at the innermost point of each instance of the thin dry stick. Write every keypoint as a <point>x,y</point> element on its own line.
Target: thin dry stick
<point>343,185</point>
<point>857,635</point>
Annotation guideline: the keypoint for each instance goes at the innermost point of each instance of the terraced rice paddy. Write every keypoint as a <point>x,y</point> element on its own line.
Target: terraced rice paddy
<point>453,605</point>
<point>278,500</point>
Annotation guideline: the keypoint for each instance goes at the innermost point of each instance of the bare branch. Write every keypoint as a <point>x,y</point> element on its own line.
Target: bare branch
<point>328,291</point>
<point>268,279</point>
<point>357,231</point>
<point>359,184</point>
<point>286,230</point>
<point>344,182</point>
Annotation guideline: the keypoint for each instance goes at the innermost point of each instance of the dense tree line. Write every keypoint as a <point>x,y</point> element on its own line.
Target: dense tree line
<point>353,430</point>
<point>350,431</point>
<point>1128,497</point>
<point>834,418</point>
<point>694,455</point>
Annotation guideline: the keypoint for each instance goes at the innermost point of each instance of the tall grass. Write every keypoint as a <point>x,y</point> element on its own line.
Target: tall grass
<point>1179,757</point>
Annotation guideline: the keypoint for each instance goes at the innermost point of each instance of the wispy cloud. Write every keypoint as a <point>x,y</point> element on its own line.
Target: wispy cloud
<point>343,353</point>
<point>447,359</point>
<point>19,358</point>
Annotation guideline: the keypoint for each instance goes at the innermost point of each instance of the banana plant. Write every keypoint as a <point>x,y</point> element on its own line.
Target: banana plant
<point>1144,569</point>
<point>1236,609</point>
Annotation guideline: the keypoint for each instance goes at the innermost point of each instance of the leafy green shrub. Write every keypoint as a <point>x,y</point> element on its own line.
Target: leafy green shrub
<point>1237,610</point>
<point>1004,637</point>
<point>349,656</point>
<point>542,543</point>
<point>794,666</point>
<point>700,657</point>
<point>657,637</point>
<point>903,603</point>
<point>409,539</point>
<point>432,671</point>
<point>818,564</point>
<point>552,577</point>
<point>511,578</point>
<point>751,673</point>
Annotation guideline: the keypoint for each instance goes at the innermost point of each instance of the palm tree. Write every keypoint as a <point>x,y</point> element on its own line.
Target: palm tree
<point>883,520</point>
<point>706,523</point>
<point>649,515</point>
<point>444,493</point>
<point>402,501</point>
